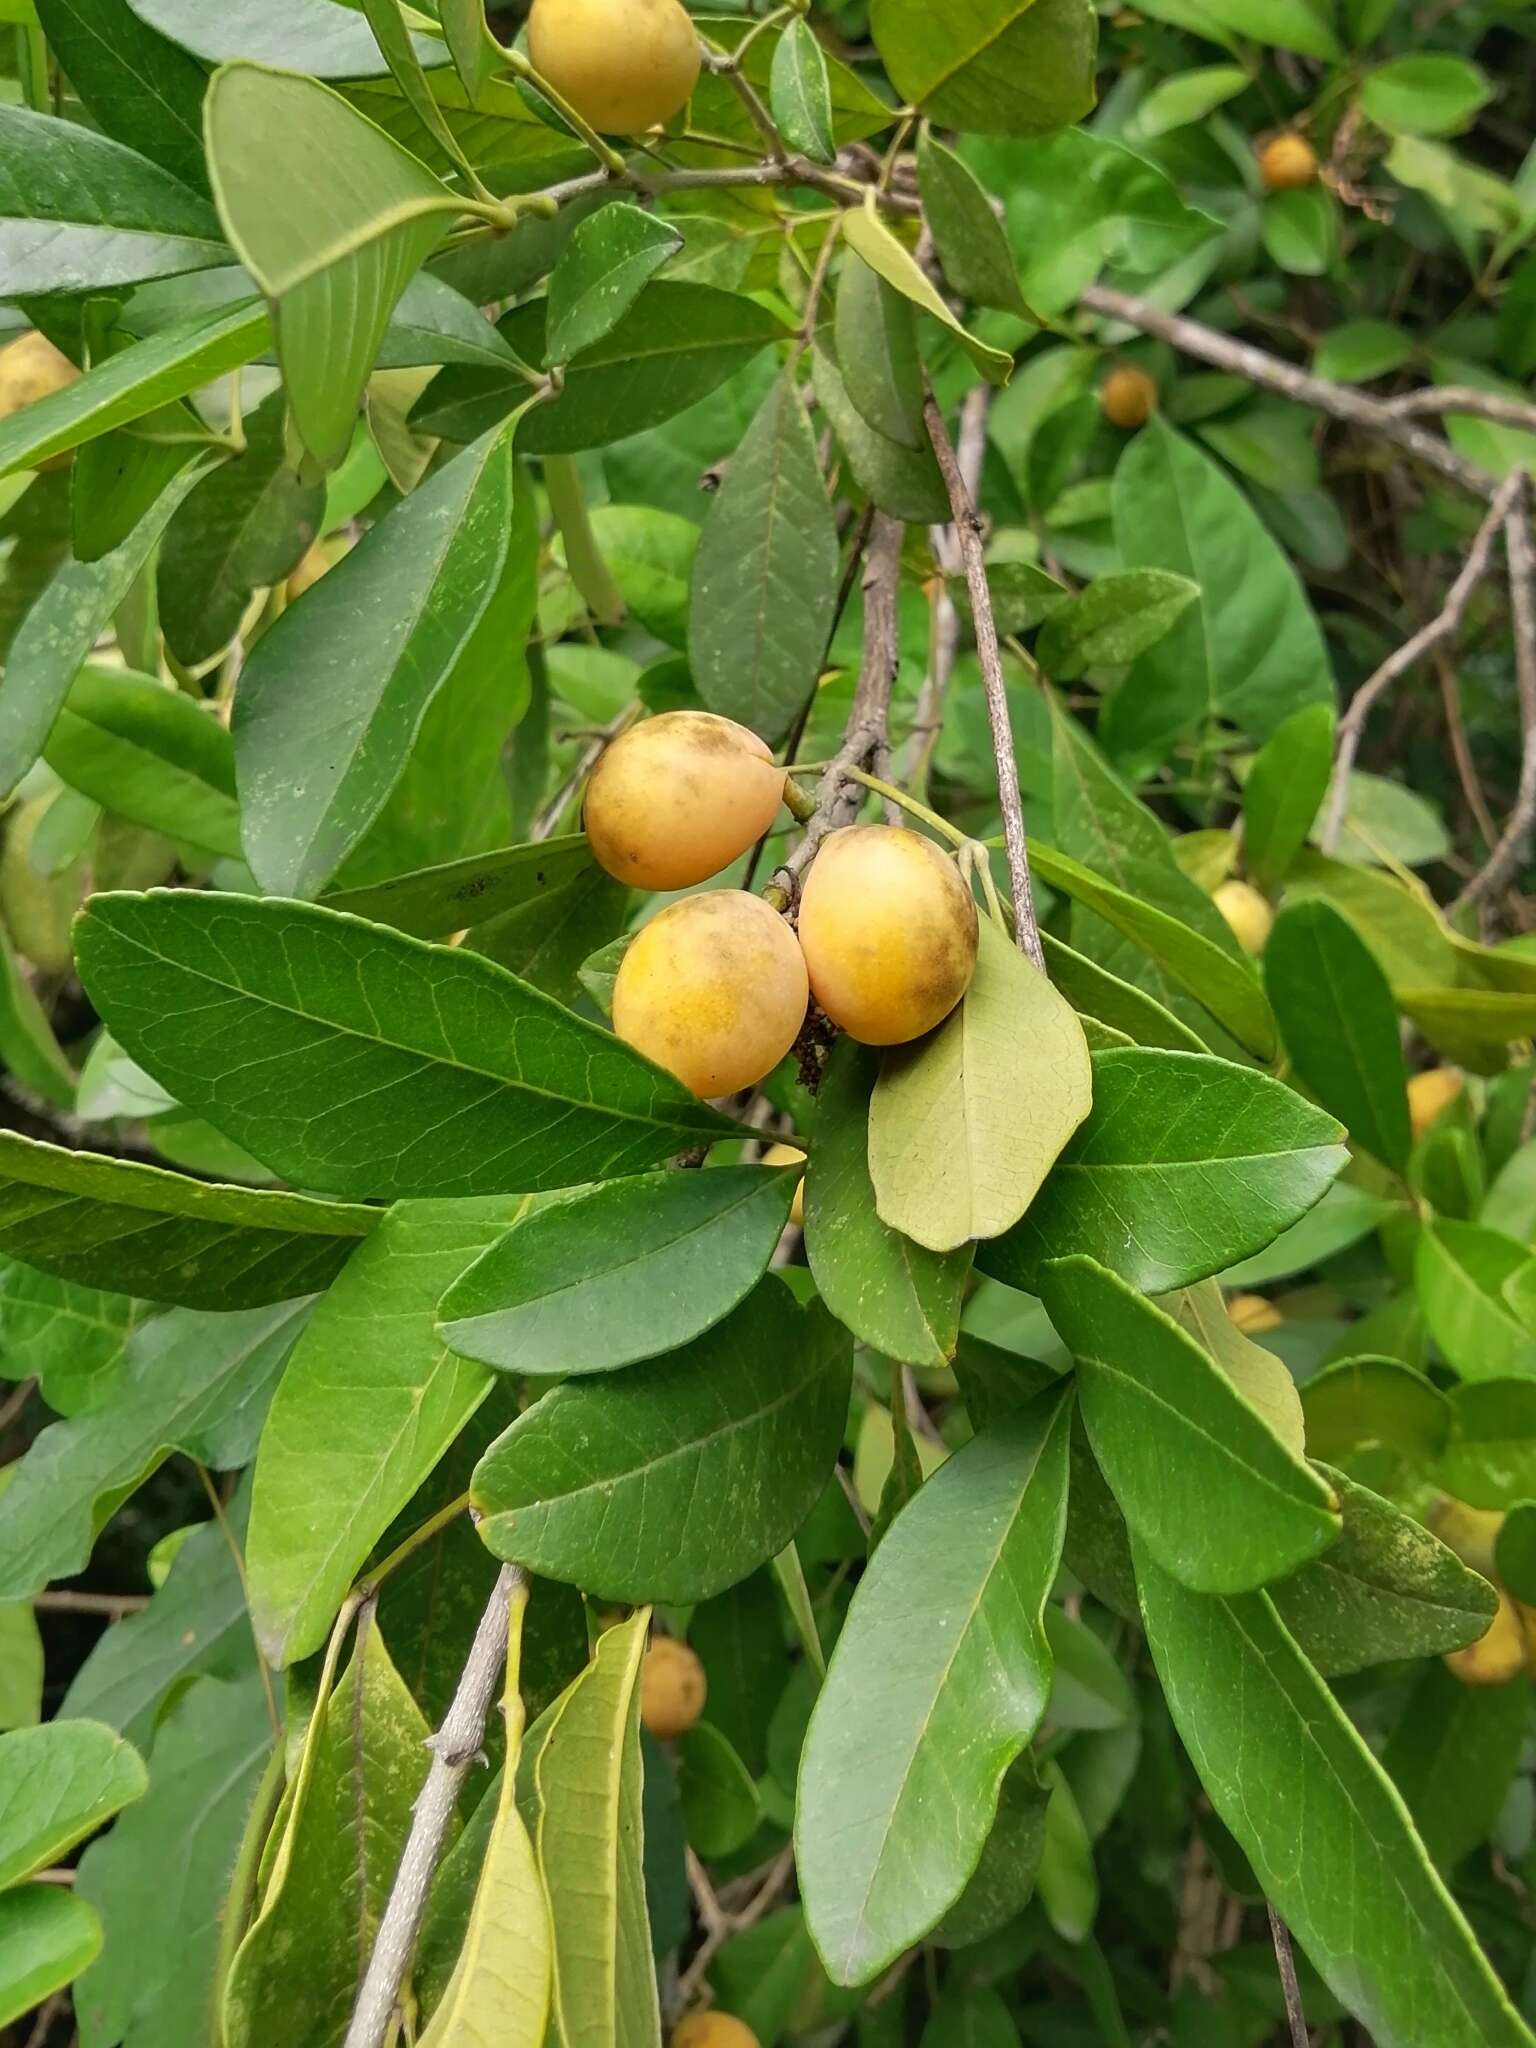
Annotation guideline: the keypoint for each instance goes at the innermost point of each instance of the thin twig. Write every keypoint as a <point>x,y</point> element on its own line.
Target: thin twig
<point>456,1746</point>
<point>1446,622</point>
<point>1461,749</point>
<point>113,1605</point>
<point>1270,373</point>
<point>1296,2018</point>
<point>15,1402</point>
<point>47,2014</point>
<point>967,527</point>
<point>1487,405</point>
<point>718,1924</point>
<point>1511,850</point>
<point>944,637</point>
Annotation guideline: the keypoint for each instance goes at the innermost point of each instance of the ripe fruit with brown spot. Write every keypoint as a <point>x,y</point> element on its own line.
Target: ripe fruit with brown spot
<point>672,1688</point>
<point>678,798</point>
<point>713,2030</point>
<point>888,930</point>
<point>32,368</point>
<point>1287,162</point>
<point>624,65</point>
<point>1430,1095</point>
<point>1252,1313</point>
<point>714,990</point>
<point>1128,396</point>
<point>1247,913</point>
<point>789,1155</point>
<point>1497,1656</point>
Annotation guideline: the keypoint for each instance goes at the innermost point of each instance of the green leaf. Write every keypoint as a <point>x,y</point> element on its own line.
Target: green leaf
<point>675,345</point>
<point>893,1294</point>
<point>371,1400</point>
<point>915,1721</point>
<point>58,1784</point>
<point>329,42</point>
<point>1359,351</point>
<point>1101,997</point>
<point>548,939</point>
<point>1009,67</point>
<point>649,554</point>
<point>1490,1461</point>
<point>154,1984</point>
<point>1462,1276</point>
<point>69,1338</point>
<point>965,1125</point>
<point>800,93</point>
<point>137,380</point>
<point>1460,1017</point>
<point>1258,1375</point>
<point>557,1293</point>
<point>81,214</point>
<point>387,1045</point>
<point>1390,826</point>
<point>500,1989</point>
<point>1358,1403</point>
<point>1299,25</point>
<point>1425,95</point>
<point>1118,617</point>
<point>603,267</point>
<point>21,1667</point>
<point>51,644</point>
<point>721,1805</point>
<point>902,481</point>
<point>676,1482</point>
<point>336,692</point>
<point>1452,1756</point>
<point>192,1383</point>
<point>47,1937</point>
<point>876,339</point>
<point>28,1047</point>
<point>765,577</point>
<point>1247,1509</point>
<point>149,754</point>
<point>138,88</point>
<point>1339,1024</point>
<point>1251,651</point>
<point>1185,98</point>
<point>136,1229</point>
<point>1268,1739</point>
<point>1001,1884</point>
<point>1515,1551</point>
<point>585,1796</point>
<point>1301,230</point>
<point>1183,1163</point>
<point>970,2016</point>
<point>967,235</point>
<point>868,236</point>
<point>1285,790</point>
<point>244,527</point>
<point>332,255</point>
<point>1088,1688</point>
<point>297,1972</point>
<point>431,903</point>
<point>387,19</point>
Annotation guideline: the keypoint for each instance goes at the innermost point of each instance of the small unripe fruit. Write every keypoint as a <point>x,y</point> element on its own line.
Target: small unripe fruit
<point>1286,163</point>
<point>714,990</point>
<point>672,1688</point>
<point>32,368</point>
<point>888,930</point>
<point>1247,912</point>
<point>713,2030</point>
<point>676,799</point>
<point>1496,1657</point>
<point>1252,1312</point>
<point>1430,1095</point>
<point>788,1155</point>
<point>624,65</point>
<point>1128,396</point>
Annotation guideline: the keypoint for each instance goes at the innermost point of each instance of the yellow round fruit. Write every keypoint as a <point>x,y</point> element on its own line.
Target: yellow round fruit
<point>888,930</point>
<point>32,368</point>
<point>713,2030</point>
<point>1247,912</point>
<point>676,799</point>
<point>787,1155</point>
<point>1497,1656</point>
<point>1471,1532</point>
<point>1128,396</point>
<point>1253,1312</point>
<point>672,1688</point>
<point>624,65</point>
<point>714,990</point>
<point>1430,1095</point>
<point>1287,162</point>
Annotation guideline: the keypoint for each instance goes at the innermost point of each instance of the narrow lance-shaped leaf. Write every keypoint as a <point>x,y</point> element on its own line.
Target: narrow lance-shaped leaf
<point>800,93</point>
<point>868,235</point>
<point>939,1678</point>
<point>605,264</point>
<point>1285,790</point>
<point>429,903</point>
<point>876,337</point>
<point>968,236</point>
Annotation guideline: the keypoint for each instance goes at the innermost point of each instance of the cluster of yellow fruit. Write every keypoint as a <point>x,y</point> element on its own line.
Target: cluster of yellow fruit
<point>715,987</point>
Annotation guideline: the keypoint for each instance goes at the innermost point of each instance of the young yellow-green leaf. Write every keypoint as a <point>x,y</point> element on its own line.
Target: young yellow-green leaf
<point>868,236</point>
<point>59,1783</point>
<point>675,1482</point>
<point>1003,67</point>
<point>47,1937</point>
<point>587,1827</point>
<point>1465,1276</point>
<point>347,1812</point>
<point>1284,791</point>
<point>390,1051</point>
<point>332,254</point>
<point>1246,1510</point>
<point>1183,1164</point>
<point>1118,617</point>
<point>557,1294</point>
<point>800,93</point>
<point>499,1994</point>
<point>1425,94</point>
<point>876,338</point>
<point>765,576</point>
<point>1328,1838</point>
<point>1258,1375</point>
<point>965,1125</point>
<point>605,264</point>
<point>939,1678</point>
<point>895,1295</point>
<point>967,235</point>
